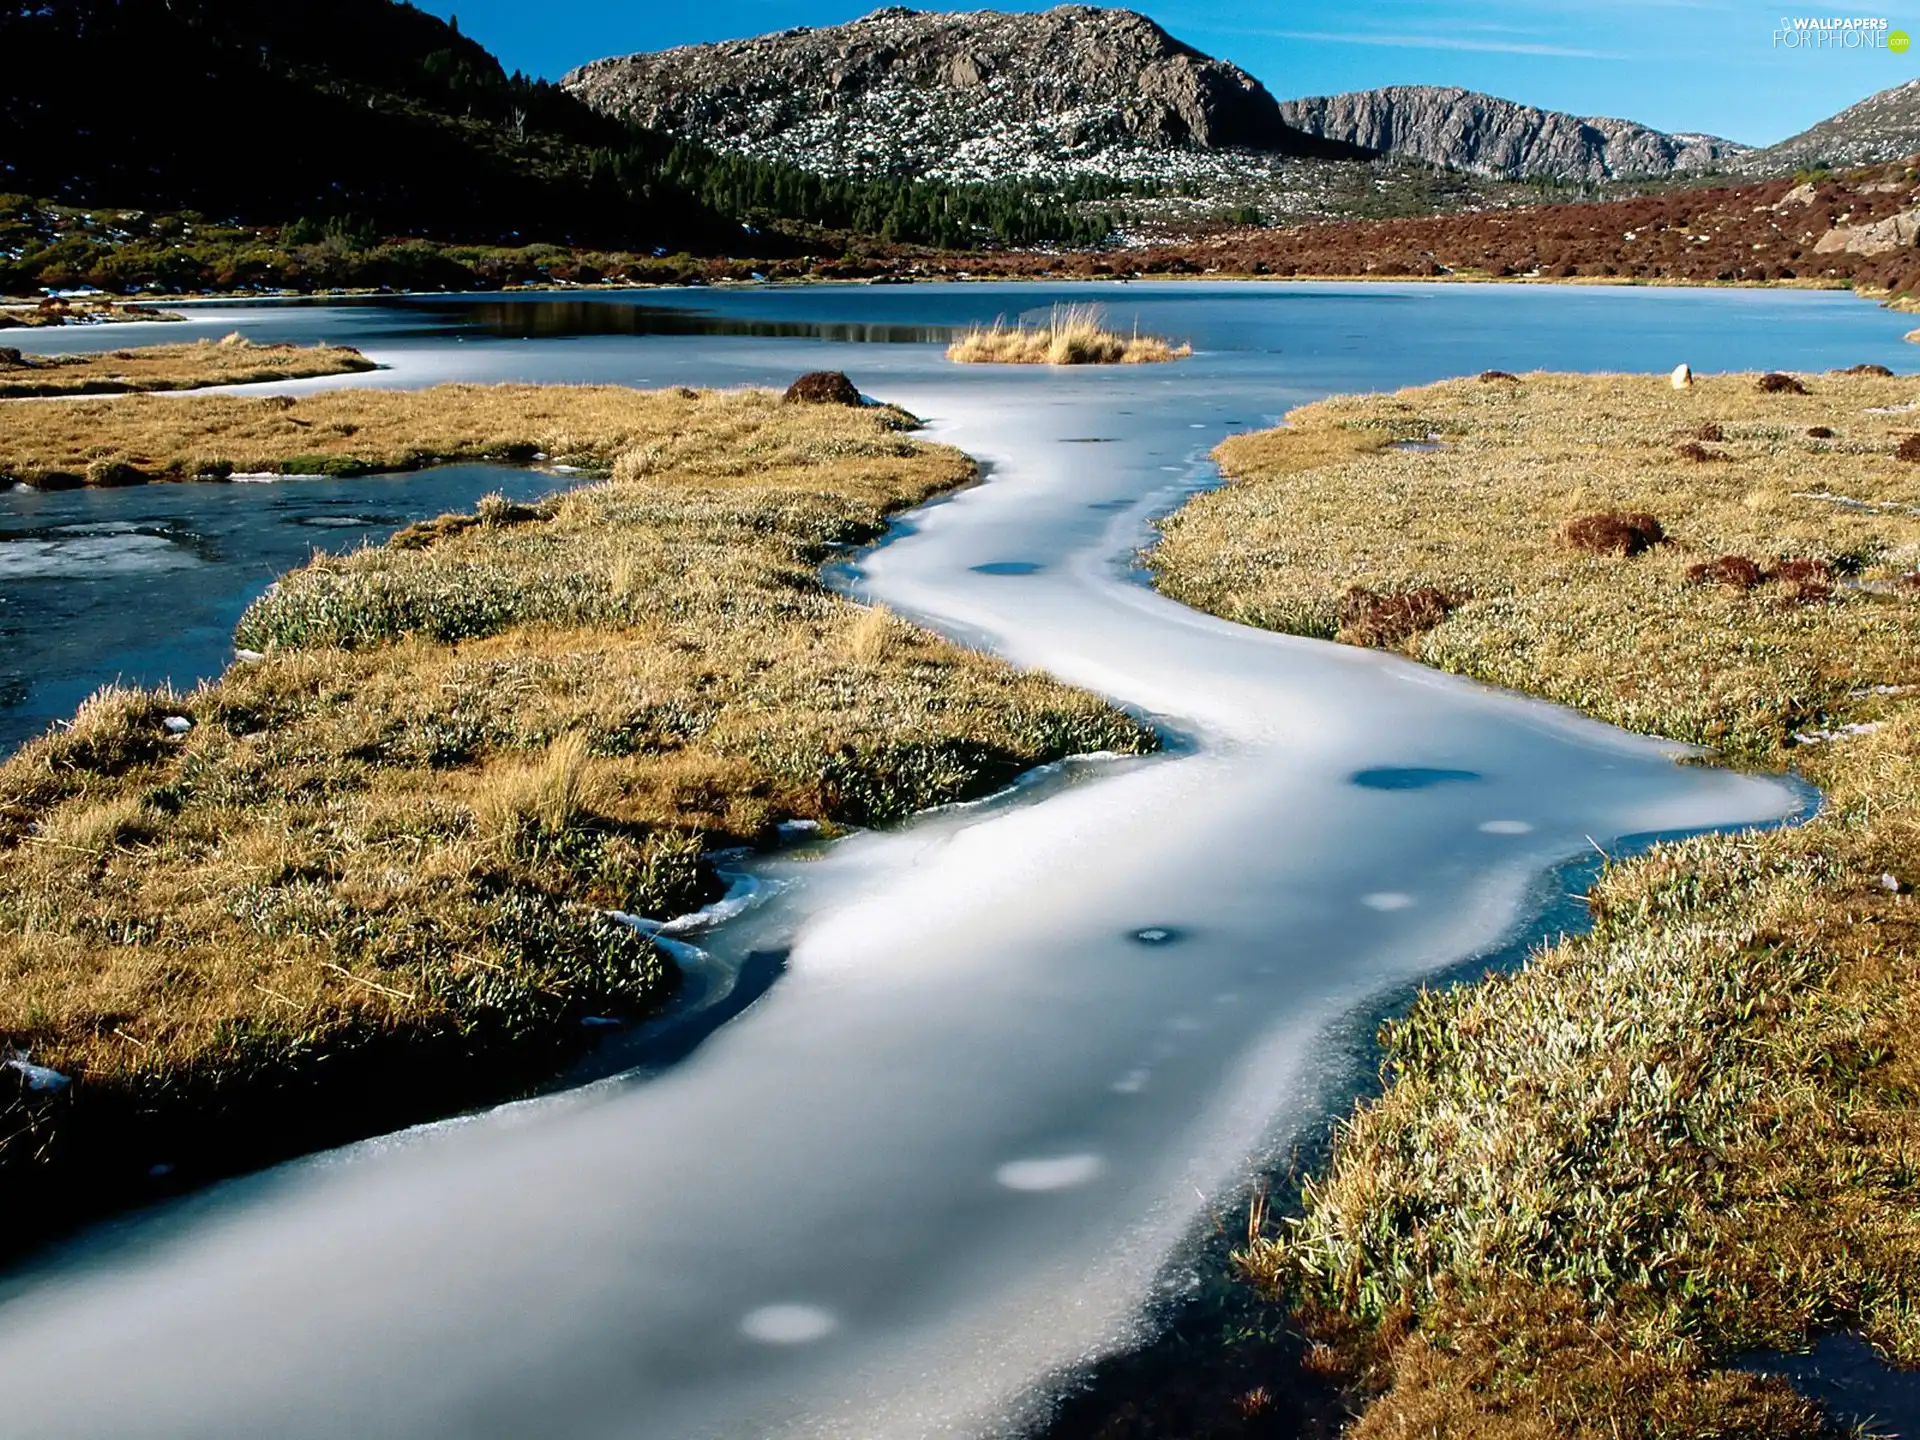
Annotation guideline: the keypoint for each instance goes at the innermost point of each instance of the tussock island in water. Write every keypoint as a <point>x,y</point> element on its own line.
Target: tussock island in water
<point>1072,335</point>
<point>1591,1184</point>
<point>371,874</point>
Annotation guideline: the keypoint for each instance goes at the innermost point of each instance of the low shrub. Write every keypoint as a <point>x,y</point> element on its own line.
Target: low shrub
<point>1775,382</point>
<point>1368,617</point>
<point>1613,532</point>
<point>1736,572</point>
<point>1693,450</point>
<point>823,387</point>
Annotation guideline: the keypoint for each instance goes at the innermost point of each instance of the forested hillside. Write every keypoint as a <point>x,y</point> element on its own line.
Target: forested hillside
<point>368,114</point>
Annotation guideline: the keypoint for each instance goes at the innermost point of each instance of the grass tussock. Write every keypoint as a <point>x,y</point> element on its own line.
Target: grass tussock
<point>400,833</point>
<point>232,361</point>
<point>1072,335</point>
<point>1590,1184</point>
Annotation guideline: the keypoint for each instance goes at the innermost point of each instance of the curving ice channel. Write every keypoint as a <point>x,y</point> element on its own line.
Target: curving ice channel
<point>1015,1048</point>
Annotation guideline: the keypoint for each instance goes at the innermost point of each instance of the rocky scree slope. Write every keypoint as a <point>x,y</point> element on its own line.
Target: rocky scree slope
<point>1485,135</point>
<point>1881,128</point>
<point>976,96</point>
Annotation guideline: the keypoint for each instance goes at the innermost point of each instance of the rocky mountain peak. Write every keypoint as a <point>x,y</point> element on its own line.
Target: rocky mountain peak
<point>975,95</point>
<point>1881,128</point>
<point>1485,135</point>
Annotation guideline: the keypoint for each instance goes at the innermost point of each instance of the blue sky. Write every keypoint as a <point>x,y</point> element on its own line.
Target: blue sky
<point>1676,64</point>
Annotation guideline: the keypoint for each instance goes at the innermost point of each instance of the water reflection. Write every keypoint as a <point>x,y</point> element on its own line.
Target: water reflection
<point>549,319</point>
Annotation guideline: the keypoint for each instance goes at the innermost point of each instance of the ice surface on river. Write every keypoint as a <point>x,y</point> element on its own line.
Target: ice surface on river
<point>952,1148</point>
<point>79,552</point>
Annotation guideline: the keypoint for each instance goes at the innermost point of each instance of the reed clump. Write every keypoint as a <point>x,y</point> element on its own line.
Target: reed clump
<point>1590,1185</point>
<point>371,876</point>
<point>232,361</point>
<point>1071,335</point>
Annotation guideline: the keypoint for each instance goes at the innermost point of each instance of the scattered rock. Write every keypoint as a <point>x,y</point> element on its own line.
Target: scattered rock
<point>1368,617</point>
<point>1893,883</point>
<point>1734,571</point>
<point>1683,377</point>
<point>1613,532</point>
<point>177,724</point>
<point>823,387</point>
<point>1776,383</point>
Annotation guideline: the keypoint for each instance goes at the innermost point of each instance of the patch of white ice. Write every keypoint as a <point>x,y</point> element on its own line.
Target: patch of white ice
<point>788,1324</point>
<point>1053,1172</point>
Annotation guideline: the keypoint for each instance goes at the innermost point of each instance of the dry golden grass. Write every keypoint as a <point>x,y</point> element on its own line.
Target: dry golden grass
<point>355,431</point>
<point>1328,505</point>
<point>232,361</point>
<point>400,831</point>
<point>1591,1183</point>
<point>1073,335</point>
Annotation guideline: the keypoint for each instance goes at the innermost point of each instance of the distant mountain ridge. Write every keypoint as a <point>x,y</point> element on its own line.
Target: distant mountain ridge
<point>1879,129</point>
<point>978,95</point>
<point>1485,135</point>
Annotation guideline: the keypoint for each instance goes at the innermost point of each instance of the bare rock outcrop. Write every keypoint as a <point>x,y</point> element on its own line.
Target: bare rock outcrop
<point>1485,135</point>
<point>1881,237</point>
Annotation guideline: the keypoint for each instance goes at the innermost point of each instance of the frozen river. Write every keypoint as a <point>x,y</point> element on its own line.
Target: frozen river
<point>1014,1049</point>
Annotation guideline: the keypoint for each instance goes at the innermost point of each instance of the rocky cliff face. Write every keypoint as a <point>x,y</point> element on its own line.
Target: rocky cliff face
<point>1881,128</point>
<point>972,96</point>
<point>1485,135</point>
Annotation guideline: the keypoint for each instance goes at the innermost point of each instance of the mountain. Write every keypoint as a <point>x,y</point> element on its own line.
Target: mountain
<point>1485,135</point>
<point>1881,128</point>
<point>265,110</point>
<point>977,96</point>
